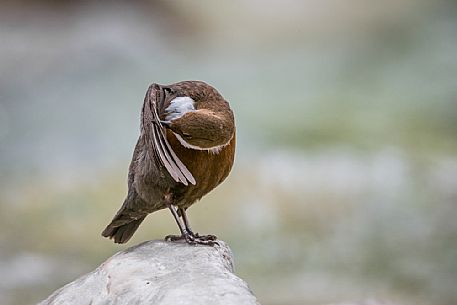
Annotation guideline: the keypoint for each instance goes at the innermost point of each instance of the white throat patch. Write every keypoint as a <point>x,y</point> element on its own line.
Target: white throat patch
<point>178,107</point>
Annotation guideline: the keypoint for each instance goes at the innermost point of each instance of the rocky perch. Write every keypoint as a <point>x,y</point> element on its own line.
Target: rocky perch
<point>159,272</point>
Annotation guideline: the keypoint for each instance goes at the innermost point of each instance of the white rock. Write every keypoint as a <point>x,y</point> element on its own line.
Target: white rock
<point>159,272</point>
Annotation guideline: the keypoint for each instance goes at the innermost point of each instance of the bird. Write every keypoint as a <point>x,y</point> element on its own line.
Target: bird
<point>186,148</point>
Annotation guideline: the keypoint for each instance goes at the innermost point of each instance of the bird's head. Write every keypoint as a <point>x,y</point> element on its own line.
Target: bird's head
<point>198,115</point>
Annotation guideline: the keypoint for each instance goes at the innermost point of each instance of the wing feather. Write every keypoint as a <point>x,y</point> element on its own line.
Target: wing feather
<point>162,151</point>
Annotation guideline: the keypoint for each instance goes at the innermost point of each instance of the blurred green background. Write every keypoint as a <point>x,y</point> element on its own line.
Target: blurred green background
<point>345,182</point>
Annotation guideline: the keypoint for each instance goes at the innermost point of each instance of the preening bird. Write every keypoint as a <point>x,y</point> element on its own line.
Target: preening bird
<point>185,149</point>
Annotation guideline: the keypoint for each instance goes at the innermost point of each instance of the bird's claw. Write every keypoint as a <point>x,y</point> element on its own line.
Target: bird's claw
<point>194,239</point>
<point>174,237</point>
<point>206,237</point>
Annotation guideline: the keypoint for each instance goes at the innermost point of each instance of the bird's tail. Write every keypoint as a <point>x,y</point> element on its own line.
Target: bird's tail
<point>122,228</point>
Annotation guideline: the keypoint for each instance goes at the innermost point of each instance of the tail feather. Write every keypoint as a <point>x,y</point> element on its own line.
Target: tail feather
<point>120,230</point>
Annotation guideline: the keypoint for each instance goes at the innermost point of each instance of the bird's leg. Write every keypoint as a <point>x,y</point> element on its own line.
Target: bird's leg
<point>183,214</point>
<point>184,233</point>
<point>196,236</point>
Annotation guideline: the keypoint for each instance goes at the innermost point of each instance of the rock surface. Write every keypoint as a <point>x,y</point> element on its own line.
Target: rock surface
<point>158,272</point>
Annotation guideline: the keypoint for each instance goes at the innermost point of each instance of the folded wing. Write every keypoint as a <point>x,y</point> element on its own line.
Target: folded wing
<point>154,132</point>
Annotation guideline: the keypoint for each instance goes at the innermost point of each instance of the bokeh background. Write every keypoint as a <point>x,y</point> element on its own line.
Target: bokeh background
<point>345,182</point>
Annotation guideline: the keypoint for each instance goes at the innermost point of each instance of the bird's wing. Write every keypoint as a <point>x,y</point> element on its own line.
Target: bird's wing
<point>154,132</point>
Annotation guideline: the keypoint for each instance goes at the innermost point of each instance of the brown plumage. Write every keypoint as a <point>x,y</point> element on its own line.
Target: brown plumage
<point>186,148</point>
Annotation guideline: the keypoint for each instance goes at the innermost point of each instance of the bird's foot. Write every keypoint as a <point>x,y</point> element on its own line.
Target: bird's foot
<point>174,237</point>
<point>205,237</point>
<point>194,239</point>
